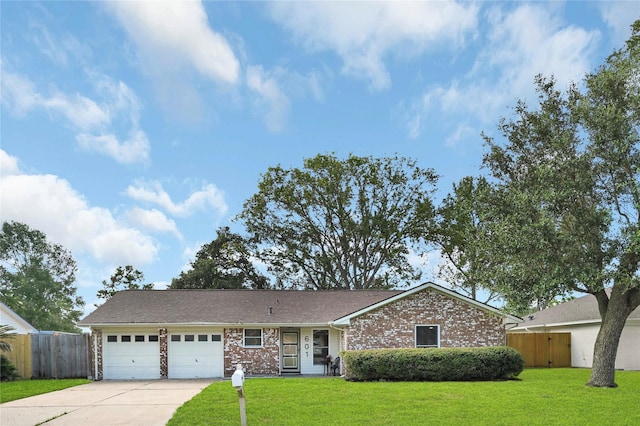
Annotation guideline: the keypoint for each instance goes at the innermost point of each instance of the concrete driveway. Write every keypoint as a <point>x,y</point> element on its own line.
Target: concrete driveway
<point>137,403</point>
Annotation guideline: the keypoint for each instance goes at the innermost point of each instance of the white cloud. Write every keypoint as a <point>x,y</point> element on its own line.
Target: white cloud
<point>60,49</point>
<point>364,33</point>
<point>273,89</point>
<point>49,204</point>
<point>20,95</point>
<point>173,39</point>
<point>531,40</point>
<point>153,192</point>
<point>178,31</point>
<point>95,123</point>
<point>8,164</point>
<point>132,150</point>
<point>619,15</point>
<point>80,111</point>
<point>522,43</point>
<point>270,95</point>
<point>153,220</point>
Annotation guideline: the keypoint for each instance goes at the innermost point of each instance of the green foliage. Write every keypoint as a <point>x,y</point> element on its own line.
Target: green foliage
<point>339,224</point>
<point>223,263</point>
<point>8,371</point>
<point>568,184</point>
<point>550,396</point>
<point>36,279</point>
<point>438,364</point>
<point>463,234</point>
<point>6,333</point>
<point>125,278</point>
<point>10,391</point>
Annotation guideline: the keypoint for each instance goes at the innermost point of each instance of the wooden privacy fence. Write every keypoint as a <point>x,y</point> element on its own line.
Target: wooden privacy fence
<point>20,354</point>
<point>542,349</point>
<point>51,356</point>
<point>59,356</point>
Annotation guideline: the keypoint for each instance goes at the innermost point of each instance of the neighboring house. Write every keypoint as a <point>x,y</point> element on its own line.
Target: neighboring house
<point>581,318</point>
<point>9,317</point>
<point>204,333</point>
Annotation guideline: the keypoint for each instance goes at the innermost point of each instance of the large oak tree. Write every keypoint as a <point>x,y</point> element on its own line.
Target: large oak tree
<point>568,176</point>
<point>342,224</point>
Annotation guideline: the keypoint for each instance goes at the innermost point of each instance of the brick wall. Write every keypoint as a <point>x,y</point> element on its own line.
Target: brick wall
<point>256,361</point>
<point>164,353</point>
<point>99,351</point>
<point>392,325</point>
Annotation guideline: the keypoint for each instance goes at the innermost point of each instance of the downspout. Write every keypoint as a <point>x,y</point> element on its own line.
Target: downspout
<point>342,330</point>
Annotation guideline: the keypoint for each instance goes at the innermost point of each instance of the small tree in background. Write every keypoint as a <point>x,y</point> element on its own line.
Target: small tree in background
<point>124,278</point>
<point>225,262</point>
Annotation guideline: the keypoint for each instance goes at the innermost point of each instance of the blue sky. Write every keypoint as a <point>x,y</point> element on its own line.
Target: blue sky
<point>131,131</point>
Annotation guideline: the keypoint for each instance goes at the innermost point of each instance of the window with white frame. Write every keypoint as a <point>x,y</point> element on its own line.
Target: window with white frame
<point>252,337</point>
<point>427,336</point>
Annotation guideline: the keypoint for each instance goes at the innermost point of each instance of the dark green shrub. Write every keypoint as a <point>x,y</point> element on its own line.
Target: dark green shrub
<point>7,370</point>
<point>442,364</point>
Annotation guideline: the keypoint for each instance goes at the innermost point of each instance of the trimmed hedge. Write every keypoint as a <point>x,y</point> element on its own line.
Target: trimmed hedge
<point>441,364</point>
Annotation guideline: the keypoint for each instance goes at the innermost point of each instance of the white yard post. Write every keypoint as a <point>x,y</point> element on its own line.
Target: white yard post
<point>237,381</point>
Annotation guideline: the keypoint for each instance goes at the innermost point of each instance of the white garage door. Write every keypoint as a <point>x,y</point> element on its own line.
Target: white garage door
<point>131,356</point>
<point>195,355</point>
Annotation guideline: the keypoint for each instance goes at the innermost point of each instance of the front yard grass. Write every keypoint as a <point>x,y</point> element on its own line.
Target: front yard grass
<point>540,397</point>
<point>19,389</point>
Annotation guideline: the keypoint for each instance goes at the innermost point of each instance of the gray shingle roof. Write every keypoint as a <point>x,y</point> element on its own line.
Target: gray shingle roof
<point>583,309</point>
<point>232,306</point>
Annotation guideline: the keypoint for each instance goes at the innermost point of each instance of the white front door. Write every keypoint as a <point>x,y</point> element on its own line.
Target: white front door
<point>134,355</point>
<point>195,355</point>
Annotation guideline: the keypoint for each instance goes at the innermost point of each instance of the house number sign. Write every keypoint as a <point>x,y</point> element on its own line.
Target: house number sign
<point>306,345</point>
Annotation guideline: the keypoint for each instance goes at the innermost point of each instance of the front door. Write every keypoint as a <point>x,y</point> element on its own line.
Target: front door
<point>290,351</point>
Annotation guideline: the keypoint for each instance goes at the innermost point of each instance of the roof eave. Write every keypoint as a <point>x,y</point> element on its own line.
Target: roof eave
<point>206,324</point>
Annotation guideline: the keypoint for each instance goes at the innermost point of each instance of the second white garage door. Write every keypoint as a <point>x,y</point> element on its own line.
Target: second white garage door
<point>195,355</point>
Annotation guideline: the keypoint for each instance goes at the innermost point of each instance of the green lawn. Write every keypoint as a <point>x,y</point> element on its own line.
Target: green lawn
<point>10,391</point>
<point>542,397</point>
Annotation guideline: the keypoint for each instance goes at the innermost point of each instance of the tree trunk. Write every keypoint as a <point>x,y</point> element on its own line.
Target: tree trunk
<point>616,310</point>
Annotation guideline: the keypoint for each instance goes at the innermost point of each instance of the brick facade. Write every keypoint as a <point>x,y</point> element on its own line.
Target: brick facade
<point>95,346</point>
<point>99,352</point>
<point>255,361</point>
<point>393,325</point>
<point>461,323</point>
<point>164,357</point>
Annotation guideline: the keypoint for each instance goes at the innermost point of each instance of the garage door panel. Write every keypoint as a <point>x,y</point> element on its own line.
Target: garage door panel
<point>195,358</point>
<point>124,360</point>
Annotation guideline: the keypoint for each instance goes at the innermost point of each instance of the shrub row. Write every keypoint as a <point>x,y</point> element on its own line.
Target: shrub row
<point>442,364</point>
